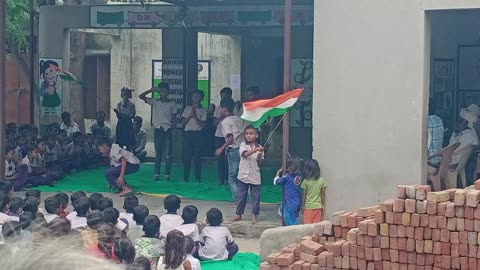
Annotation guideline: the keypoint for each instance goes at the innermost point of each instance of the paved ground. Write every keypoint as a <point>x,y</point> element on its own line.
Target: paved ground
<point>245,233</point>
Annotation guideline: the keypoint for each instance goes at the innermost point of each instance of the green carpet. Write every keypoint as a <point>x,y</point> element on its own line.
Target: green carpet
<point>142,181</point>
<point>241,261</point>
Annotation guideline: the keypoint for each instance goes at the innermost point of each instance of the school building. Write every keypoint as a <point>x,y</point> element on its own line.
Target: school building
<point>369,68</point>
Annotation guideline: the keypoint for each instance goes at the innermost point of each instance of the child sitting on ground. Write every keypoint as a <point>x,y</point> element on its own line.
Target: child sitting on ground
<point>111,216</point>
<point>76,151</point>
<point>94,198</point>
<point>33,193</point>
<point>54,173</point>
<point>150,245</point>
<point>313,197</point>
<point>216,240</point>
<point>104,203</point>
<point>91,152</point>
<point>139,214</point>
<point>175,257</point>
<point>30,205</point>
<point>123,162</point>
<point>81,206</point>
<point>89,235</point>
<point>17,176</point>
<point>15,209</point>
<point>190,249</point>
<point>36,176</point>
<point>171,219</point>
<point>291,180</point>
<point>4,205</point>
<point>63,197</point>
<point>74,197</point>
<point>249,178</point>
<point>21,142</point>
<point>189,227</point>
<point>130,202</point>
<point>53,207</point>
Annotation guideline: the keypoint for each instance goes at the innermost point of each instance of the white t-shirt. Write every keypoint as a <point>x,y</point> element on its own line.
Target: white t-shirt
<point>248,169</point>
<point>215,238</point>
<point>50,217</point>
<point>218,131</point>
<point>72,215</point>
<point>129,218</point>
<point>190,230</point>
<point>121,225</point>
<point>233,125</point>
<point>6,218</point>
<point>192,124</point>
<point>169,222</point>
<point>162,113</point>
<point>117,153</point>
<point>26,161</point>
<point>78,222</point>
<point>194,262</point>
<point>10,168</point>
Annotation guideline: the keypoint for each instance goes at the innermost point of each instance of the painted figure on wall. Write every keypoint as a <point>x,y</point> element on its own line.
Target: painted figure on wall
<point>48,87</point>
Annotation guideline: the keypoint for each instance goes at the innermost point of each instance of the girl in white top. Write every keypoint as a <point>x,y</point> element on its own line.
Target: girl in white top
<point>175,257</point>
<point>122,162</point>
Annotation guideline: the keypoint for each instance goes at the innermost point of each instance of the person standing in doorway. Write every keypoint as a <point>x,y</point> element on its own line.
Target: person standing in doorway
<point>222,168</point>
<point>125,112</point>
<point>164,116</point>
<point>194,118</point>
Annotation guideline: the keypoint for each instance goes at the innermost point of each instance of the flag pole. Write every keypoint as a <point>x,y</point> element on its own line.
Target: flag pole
<point>286,87</point>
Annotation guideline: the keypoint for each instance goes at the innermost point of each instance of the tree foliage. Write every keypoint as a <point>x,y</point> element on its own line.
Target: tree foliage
<point>16,22</point>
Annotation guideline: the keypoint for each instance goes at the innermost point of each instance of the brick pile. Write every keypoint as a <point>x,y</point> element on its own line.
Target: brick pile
<point>419,229</point>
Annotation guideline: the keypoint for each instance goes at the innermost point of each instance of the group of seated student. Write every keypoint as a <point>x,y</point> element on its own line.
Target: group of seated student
<point>33,160</point>
<point>132,239</point>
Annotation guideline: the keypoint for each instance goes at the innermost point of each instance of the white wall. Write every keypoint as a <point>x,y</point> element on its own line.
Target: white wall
<point>370,96</point>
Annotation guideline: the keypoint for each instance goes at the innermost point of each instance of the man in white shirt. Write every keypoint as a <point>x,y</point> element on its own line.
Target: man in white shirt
<point>194,118</point>
<point>164,120</point>
<point>68,125</point>
<point>222,168</point>
<point>464,134</point>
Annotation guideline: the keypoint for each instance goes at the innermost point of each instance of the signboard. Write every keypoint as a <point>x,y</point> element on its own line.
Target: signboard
<point>50,89</point>
<point>165,16</point>
<point>171,71</point>
<point>301,76</point>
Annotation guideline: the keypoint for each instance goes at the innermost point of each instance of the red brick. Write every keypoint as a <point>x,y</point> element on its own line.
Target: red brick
<point>373,229</point>
<point>410,245</point>
<point>362,264</point>
<point>345,249</point>
<point>306,266</point>
<point>415,220</point>
<point>423,220</point>
<point>352,220</point>
<point>463,263</point>
<point>463,250</point>
<point>469,212</point>
<point>360,239</point>
<point>463,237</point>
<point>314,267</point>
<point>393,243</point>
<point>429,259</point>
<point>399,206</point>
<point>363,227</point>
<point>369,254</point>
<point>384,242</point>
<point>422,207</point>
<point>410,232</point>
<point>419,245</point>
<point>460,224</point>
<point>352,250</point>
<point>437,248</point>
<point>476,225</point>
<point>402,244</point>
<point>476,213</point>
<point>308,257</point>
<point>368,241</point>
<point>472,263</point>
<point>420,259</point>
<point>337,261</point>
<point>311,247</point>
<point>433,222</point>
<point>286,259</point>
<point>436,235</point>
<point>402,256</point>
<point>468,225</point>
<point>275,267</point>
<point>397,218</point>
<point>387,206</point>
<point>353,263</point>
<point>422,192</point>
<point>431,208</point>
<point>446,262</point>
<point>330,260</point>
<point>322,258</point>
<point>410,205</point>
<point>298,265</point>
<point>441,207</point>
<point>337,231</point>
<point>272,258</point>
<point>419,233</point>
<point>455,263</point>
<point>264,266</point>
<point>428,246</point>
<point>472,251</point>
<point>427,233</point>
<point>337,248</point>
<point>454,251</point>
<point>389,217</point>
<point>377,254</point>
<point>445,236</point>
<point>360,252</point>
<point>445,248</point>
<point>367,211</point>
<point>386,265</point>
<point>459,211</point>
<point>379,217</point>
<point>401,231</point>
<point>473,197</point>
<point>394,255</point>
<point>344,219</point>
<point>441,222</point>
<point>472,238</point>
<point>345,232</point>
<point>454,238</point>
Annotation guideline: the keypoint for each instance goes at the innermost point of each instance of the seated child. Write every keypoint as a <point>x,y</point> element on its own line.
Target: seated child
<point>54,173</point>
<point>94,198</point>
<point>130,202</point>
<point>74,197</point>
<point>91,152</point>
<point>11,231</point>
<point>139,214</point>
<point>111,216</point>
<point>81,206</point>
<point>104,203</point>
<point>171,219</point>
<point>63,197</point>
<point>140,138</point>
<point>33,193</point>
<point>106,238</point>
<point>175,256</point>
<point>190,249</point>
<point>189,227</point>
<point>16,207</point>
<point>21,143</point>
<point>37,176</point>
<point>150,245</point>
<point>53,207</point>
<point>4,204</point>
<point>62,151</point>
<point>89,235</point>
<point>140,263</point>
<point>17,176</point>
<point>124,251</point>
<point>123,162</point>
<point>216,240</point>
<point>30,205</point>
<point>76,151</point>
<point>51,150</point>
<point>7,188</point>
<point>292,181</point>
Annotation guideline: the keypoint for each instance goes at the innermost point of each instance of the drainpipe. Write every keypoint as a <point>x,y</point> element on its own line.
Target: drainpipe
<point>2,86</point>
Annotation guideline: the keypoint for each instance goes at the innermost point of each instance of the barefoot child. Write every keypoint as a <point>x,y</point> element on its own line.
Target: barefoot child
<point>175,257</point>
<point>216,240</point>
<point>122,162</point>
<point>251,154</point>
<point>292,181</point>
<point>313,197</point>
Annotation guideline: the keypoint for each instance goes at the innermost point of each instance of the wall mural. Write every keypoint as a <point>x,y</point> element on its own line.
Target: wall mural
<point>50,90</point>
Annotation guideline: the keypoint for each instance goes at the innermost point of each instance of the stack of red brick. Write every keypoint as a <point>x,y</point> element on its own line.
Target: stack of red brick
<point>417,230</point>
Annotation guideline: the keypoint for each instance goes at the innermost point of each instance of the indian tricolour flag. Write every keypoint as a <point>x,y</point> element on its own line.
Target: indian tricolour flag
<point>256,112</point>
<point>65,75</point>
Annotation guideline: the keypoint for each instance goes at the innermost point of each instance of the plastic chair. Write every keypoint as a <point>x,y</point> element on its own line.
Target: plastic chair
<point>476,172</point>
<point>460,169</point>
<point>442,172</point>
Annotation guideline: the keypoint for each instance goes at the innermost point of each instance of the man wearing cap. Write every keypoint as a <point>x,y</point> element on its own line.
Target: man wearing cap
<point>464,134</point>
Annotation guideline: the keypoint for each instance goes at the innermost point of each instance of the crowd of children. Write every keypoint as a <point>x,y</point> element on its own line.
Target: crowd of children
<point>134,238</point>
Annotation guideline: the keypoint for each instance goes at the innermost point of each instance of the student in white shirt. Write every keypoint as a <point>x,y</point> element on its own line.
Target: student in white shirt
<point>189,227</point>
<point>123,162</point>
<point>81,206</point>
<point>130,202</point>
<point>190,250</point>
<point>135,231</point>
<point>216,240</point>
<point>36,177</point>
<point>17,176</point>
<point>164,120</point>
<point>53,207</point>
<point>68,125</point>
<point>232,128</point>
<point>171,220</point>
<point>4,202</point>
<point>194,120</point>
<point>222,168</point>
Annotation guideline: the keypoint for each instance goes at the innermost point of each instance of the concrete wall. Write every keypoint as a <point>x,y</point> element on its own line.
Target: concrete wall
<point>370,96</point>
